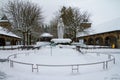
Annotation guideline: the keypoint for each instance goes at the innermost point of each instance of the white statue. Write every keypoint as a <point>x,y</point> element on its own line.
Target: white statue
<point>60,28</point>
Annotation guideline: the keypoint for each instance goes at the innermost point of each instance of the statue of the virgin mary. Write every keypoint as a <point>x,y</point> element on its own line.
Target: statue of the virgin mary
<point>60,28</point>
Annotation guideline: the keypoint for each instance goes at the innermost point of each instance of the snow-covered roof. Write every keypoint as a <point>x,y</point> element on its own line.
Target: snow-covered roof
<point>6,32</point>
<point>66,40</point>
<point>108,26</point>
<point>4,20</point>
<point>46,35</point>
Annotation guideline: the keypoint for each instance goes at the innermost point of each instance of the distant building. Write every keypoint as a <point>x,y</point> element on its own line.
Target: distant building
<point>6,36</point>
<point>106,34</point>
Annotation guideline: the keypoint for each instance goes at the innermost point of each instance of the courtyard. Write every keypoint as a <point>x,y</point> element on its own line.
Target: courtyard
<point>51,59</point>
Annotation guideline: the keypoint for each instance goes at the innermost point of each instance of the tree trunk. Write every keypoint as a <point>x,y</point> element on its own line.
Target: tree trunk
<point>24,38</point>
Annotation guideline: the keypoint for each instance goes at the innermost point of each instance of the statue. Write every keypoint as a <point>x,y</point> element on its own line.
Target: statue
<point>60,32</point>
<point>60,28</point>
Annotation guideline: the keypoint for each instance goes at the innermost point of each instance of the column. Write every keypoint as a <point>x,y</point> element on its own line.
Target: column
<point>118,41</point>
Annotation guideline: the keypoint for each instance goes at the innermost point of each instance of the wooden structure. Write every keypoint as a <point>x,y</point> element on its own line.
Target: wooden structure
<point>6,36</point>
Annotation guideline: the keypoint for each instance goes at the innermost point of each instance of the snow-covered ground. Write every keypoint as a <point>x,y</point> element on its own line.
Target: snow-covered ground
<point>60,56</point>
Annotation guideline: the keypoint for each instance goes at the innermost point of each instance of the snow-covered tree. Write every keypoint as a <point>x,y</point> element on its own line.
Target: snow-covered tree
<point>53,27</point>
<point>26,17</point>
<point>73,18</point>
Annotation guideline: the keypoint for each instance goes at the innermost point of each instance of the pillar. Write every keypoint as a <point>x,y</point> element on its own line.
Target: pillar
<point>118,41</point>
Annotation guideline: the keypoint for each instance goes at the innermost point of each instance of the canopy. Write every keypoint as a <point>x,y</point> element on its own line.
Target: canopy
<point>46,35</point>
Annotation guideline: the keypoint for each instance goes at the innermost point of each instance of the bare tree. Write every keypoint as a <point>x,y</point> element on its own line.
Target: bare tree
<point>26,17</point>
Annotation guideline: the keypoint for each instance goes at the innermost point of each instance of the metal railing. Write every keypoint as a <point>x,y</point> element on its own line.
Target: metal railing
<point>74,67</point>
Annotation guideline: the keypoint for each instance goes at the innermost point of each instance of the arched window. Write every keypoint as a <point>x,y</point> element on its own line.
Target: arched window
<point>99,41</point>
<point>2,42</point>
<point>90,41</point>
<point>110,40</point>
<point>85,41</point>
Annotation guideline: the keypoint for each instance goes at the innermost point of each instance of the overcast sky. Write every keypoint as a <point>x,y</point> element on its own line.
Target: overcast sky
<point>100,10</point>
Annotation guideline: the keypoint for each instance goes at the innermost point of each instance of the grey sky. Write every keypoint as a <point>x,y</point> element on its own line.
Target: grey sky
<point>100,10</point>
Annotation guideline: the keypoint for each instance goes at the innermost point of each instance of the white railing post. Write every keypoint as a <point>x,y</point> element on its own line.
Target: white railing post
<point>34,68</point>
<point>11,64</point>
<point>114,61</point>
<point>75,67</point>
<point>104,65</point>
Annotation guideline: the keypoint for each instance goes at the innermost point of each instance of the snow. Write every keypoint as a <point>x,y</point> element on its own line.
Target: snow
<point>60,56</point>
<point>112,25</point>
<point>65,40</point>
<point>46,35</point>
<point>5,31</point>
<point>42,43</point>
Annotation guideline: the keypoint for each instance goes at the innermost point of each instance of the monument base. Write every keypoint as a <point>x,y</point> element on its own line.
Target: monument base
<point>60,40</point>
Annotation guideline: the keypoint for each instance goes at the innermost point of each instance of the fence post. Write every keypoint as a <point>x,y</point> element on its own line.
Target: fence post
<point>34,67</point>
<point>104,65</point>
<point>11,64</point>
<point>114,60</point>
<point>37,67</point>
<point>75,68</point>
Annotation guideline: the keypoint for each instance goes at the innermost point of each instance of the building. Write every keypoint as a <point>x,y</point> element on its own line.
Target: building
<point>106,34</point>
<point>6,36</point>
